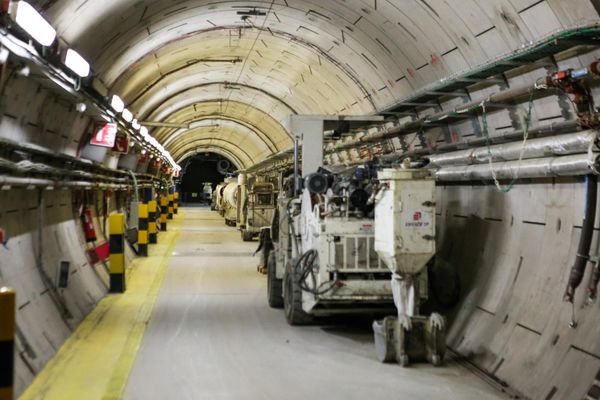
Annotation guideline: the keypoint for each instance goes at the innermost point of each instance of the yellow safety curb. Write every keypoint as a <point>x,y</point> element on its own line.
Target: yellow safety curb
<point>95,362</point>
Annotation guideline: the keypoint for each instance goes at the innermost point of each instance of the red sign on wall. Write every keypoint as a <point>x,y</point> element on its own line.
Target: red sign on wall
<point>121,144</point>
<point>105,135</point>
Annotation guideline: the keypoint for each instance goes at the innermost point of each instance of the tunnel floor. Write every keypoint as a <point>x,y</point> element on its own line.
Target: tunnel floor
<point>194,324</point>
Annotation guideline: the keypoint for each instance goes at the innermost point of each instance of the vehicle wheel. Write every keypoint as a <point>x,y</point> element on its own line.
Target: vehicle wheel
<point>292,299</point>
<point>247,235</point>
<point>274,285</point>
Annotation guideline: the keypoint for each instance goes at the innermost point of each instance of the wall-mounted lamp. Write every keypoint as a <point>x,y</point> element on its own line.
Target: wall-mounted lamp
<point>117,104</point>
<point>76,63</point>
<point>127,115</point>
<point>32,22</point>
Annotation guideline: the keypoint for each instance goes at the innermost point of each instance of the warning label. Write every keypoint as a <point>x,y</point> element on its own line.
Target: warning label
<point>417,219</point>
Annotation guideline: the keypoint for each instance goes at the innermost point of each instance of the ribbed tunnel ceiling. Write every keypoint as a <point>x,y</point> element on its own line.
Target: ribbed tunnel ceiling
<point>235,80</point>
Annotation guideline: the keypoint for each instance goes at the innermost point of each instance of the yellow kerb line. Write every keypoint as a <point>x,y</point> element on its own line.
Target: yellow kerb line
<point>95,362</point>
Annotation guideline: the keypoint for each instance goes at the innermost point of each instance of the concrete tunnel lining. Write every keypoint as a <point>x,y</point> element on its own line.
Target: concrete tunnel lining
<point>352,57</point>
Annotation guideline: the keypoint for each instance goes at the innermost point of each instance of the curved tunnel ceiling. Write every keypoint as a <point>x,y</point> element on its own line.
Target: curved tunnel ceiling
<point>196,60</point>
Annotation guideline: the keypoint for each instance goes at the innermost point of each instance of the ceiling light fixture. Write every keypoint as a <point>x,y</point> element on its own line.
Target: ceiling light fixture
<point>117,104</point>
<point>127,115</point>
<point>33,23</point>
<point>77,64</point>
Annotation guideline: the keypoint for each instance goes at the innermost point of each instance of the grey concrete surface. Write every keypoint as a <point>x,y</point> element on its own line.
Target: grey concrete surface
<point>213,336</point>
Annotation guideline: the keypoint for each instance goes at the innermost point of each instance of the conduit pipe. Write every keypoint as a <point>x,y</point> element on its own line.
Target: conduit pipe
<point>48,183</point>
<point>585,240</point>
<point>413,126</point>
<point>535,148</point>
<point>572,165</point>
<point>542,131</point>
<point>570,126</point>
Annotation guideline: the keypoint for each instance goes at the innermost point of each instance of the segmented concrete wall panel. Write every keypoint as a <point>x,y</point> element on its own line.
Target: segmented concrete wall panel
<point>513,250</point>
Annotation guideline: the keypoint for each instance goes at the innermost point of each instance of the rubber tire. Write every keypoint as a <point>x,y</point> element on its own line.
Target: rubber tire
<point>247,236</point>
<point>292,299</point>
<point>274,285</point>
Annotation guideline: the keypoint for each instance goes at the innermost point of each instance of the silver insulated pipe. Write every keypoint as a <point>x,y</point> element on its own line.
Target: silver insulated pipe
<point>572,165</point>
<point>559,145</point>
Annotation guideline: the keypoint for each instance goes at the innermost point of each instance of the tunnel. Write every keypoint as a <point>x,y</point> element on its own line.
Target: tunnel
<point>199,170</point>
<point>299,199</point>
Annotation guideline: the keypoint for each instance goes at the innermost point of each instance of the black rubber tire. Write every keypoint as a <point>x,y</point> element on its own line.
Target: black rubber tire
<point>247,235</point>
<point>292,299</point>
<point>274,285</point>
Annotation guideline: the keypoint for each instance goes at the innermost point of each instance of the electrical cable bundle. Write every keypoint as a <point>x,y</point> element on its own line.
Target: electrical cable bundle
<point>307,266</point>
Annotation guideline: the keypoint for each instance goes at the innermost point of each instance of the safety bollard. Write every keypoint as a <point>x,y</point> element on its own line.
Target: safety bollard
<point>170,216</point>
<point>175,202</point>
<point>7,342</point>
<point>152,231</point>
<point>143,230</point>
<point>164,203</point>
<point>116,223</point>
<point>147,195</point>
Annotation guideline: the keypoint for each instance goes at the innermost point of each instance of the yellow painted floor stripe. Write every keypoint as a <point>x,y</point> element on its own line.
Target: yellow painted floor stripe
<point>95,362</point>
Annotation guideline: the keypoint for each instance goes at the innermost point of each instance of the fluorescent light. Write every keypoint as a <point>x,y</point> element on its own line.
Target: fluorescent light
<point>117,104</point>
<point>127,115</point>
<point>77,64</point>
<point>135,124</point>
<point>33,23</point>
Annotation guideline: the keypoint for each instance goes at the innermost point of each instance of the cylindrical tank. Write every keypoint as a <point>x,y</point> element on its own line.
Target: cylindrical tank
<point>230,195</point>
<point>217,195</point>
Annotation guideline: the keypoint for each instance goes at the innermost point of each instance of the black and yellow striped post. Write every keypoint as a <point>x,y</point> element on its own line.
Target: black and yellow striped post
<point>7,342</point>
<point>143,230</point>
<point>171,199</point>
<point>175,202</point>
<point>164,203</point>
<point>116,224</point>
<point>152,231</point>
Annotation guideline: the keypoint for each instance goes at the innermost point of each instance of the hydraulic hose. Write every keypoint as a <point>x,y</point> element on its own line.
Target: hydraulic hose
<point>135,186</point>
<point>585,240</point>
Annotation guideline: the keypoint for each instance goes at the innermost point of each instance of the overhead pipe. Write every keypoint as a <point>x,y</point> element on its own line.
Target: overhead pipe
<point>391,157</point>
<point>554,128</point>
<point>536,148</point>
<point>570,126</point>
<point>414,126</point>
<point>572,165</point>
<point>39,182</point>
<point>562,80</point>
<point>585,240</point>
